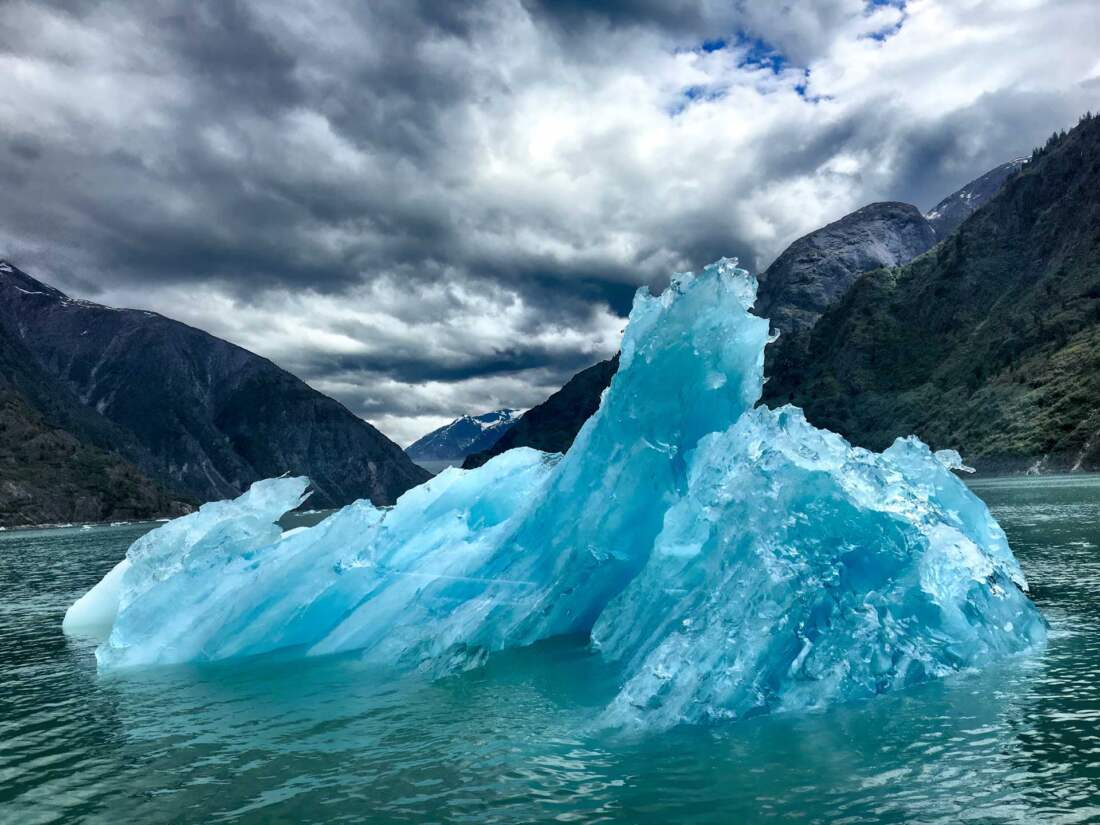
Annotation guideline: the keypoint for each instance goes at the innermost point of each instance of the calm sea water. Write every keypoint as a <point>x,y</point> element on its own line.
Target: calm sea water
<point>331,741</point>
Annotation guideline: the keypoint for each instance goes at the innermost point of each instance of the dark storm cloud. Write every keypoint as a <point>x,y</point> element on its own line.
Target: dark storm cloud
<point>220,45</point>
<point>940,155</point>
<point>411,366</point>
<point>430,208</point>
<point>675,16</point>
<point>251,211</point>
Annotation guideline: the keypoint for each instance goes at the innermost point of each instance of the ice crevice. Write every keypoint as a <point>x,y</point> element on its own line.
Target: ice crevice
<point>731,559</point>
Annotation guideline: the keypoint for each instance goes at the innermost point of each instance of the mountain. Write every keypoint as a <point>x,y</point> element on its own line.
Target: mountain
<point>947,215</point>
<point>465,435</point>
<point>990,343</point>
<point>203,417</point>
<point>816,270</point>
<point>811,274</point>
<point>552,425</point>
<point>51,469</point>
<point>49,476</point>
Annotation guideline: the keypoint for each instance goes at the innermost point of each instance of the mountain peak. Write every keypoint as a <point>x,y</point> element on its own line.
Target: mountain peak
<point>818,268</point>
<point>493,419</point>
<point>948,214</point>
<point>18,280</point>
<point>451,443</point>
<point>13,276</point>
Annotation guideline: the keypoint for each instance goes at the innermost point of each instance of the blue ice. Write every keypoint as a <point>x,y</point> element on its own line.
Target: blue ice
<point>732,559</point>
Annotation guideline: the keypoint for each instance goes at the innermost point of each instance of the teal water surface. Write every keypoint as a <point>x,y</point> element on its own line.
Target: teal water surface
<point>330,740</point>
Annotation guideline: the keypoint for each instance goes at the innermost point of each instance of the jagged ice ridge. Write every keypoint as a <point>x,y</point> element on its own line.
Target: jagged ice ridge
<point>731,559</point>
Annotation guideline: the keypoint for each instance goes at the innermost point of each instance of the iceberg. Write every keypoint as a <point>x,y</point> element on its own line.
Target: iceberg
<point>728,558</point>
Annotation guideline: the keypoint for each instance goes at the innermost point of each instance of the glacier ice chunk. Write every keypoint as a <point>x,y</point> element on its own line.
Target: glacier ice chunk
<point>730,558</point>
<point>93,614</point>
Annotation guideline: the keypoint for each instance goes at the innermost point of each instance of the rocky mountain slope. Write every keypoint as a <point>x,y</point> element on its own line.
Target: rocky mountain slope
<point>198,414</point>
<point>812,274</point>
<point>817,269</point>
<point>51,469</point>
<point>469,434</point>
<point>990,343</point>
<point>947,215</point>
<point>553,424</point>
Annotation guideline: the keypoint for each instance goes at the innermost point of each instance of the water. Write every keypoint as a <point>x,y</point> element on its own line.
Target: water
<point>330,740</point>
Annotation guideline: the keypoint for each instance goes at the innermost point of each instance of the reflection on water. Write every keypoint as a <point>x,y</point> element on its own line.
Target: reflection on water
<point>332,739</point>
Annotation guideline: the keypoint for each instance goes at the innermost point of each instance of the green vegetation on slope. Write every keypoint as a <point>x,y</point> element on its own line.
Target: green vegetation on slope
<point>990,342</point>
<point>196,414</point>
<point>51,469</point>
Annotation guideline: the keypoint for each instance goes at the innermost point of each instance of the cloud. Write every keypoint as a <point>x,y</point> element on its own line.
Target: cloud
<point>428,209</point>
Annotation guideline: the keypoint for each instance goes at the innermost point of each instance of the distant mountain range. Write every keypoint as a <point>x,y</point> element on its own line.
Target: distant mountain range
<point>556,420</point>
<point>811,281</point>
<point>185,417</point>
<point>450,444</point>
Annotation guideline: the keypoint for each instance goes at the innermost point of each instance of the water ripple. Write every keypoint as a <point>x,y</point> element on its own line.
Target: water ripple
<point>332,740</point>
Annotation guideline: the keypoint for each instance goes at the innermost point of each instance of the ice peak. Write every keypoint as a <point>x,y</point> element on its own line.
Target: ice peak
<point>730,559</point>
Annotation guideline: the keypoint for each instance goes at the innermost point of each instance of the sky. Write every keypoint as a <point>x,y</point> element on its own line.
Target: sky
<point>426,208</point>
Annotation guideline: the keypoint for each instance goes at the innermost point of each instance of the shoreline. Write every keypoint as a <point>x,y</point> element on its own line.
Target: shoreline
<point>88,525</point>
<point>978,476</point>
<point>81,525</point>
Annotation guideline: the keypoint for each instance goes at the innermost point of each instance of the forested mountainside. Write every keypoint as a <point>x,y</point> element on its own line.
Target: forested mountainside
<point>56,464</point>
<point>202,417</point>
<point>991,342</point>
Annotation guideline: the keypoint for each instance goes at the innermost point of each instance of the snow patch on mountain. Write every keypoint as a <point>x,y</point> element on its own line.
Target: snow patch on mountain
<point>948,214</point>
<point>469,434</point>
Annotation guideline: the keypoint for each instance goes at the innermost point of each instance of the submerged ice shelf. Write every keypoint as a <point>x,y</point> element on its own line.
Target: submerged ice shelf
<point>731,559</point>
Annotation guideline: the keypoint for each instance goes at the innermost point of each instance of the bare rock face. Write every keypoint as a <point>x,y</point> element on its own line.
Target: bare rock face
<point>947,215</point>
<point>816,270</point>
<point>203,417</point>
